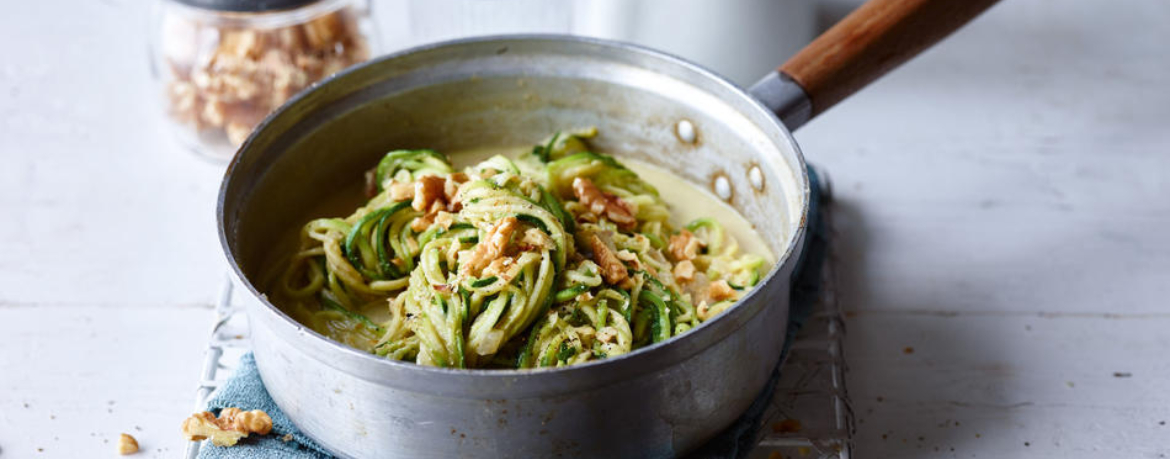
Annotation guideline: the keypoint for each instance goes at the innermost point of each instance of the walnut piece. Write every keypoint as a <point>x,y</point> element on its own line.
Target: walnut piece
<point>599,202</point>
<point>504,268</point>
<point>493,246</point>
<point>684,271</point>
<point>445,219</point>
<point>684,246</point>
<point>451,186</point>
<point>232,425</point>
<point>428,189</point>
<point>629,257</point>
<point>612,269</point>
<point>400,191</point>
<point>430,194</point>
<point>720,290</point>
<point>127,445</point>
<point>535,239</point>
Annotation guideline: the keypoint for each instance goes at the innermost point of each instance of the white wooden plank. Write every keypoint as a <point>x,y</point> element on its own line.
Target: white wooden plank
<point>1020,166</point>
<point>1009,385</point>
<point>101,206</point>
<point>73,378</point>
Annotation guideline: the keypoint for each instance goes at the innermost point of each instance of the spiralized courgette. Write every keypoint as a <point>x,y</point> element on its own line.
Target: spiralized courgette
<point>559,256</point>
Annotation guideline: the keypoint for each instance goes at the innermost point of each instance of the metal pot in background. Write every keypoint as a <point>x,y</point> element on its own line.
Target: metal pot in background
<point>659,401</point>
<point>701,31</point>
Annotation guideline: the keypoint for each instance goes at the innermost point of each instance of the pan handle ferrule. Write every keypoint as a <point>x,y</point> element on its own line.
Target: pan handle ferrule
<point>784,97</point>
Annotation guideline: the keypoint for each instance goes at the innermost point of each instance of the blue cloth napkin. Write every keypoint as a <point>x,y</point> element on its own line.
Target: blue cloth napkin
<point>246,391</point>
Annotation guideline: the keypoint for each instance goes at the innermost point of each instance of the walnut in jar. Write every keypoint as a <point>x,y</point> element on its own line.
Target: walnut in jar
<point>224,71</point>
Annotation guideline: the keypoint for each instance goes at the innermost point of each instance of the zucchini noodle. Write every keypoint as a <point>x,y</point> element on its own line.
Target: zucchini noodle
<point>558,256</point>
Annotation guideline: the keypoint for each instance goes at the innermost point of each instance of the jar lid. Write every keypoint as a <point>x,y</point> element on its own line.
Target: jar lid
<point>246,6</point>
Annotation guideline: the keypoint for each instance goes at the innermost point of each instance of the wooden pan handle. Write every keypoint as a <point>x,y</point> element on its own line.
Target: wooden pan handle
<point>878,36</point>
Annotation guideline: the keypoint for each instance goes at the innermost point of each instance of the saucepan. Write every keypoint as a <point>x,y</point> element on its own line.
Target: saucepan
<point>659,401</point>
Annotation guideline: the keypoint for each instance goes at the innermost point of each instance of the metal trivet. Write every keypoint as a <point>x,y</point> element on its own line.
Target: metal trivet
<point>228,342</point>
<point>809,417</point>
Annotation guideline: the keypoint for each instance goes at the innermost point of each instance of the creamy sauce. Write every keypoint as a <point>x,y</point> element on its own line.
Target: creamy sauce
<point>687,201</point>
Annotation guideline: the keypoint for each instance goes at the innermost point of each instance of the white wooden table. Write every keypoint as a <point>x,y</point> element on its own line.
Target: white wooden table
<point>1003,202</point>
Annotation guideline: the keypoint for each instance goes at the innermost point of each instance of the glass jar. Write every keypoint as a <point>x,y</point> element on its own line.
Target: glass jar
<point>221,66</point>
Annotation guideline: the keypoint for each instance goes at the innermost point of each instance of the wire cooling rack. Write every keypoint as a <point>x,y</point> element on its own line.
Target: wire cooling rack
<point>228,342</point>
<point>809,417</point>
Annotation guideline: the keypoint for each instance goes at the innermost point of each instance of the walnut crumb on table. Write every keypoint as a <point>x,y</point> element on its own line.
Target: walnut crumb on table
<point>232,425</point>
<point>127,445</point>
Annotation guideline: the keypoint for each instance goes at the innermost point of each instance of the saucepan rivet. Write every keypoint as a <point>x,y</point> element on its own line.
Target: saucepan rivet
<point>723,187</point>
<point>756,177</point>
<point>685,131</point>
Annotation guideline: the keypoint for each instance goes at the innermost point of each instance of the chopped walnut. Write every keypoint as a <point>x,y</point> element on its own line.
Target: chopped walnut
<point>452,184</point>
<point>684,246</point>
<point>428,189</point>
<point>241,43</point>
<point>504,268</point>
<point>631,258</point>
<point>127,445</point>
<point>232,425</point>
<point>323,31</point>
<point>599,202</point>
<point>237,132</point>
<point>444,219</point>
<point>684,271</point>
<point>535,239</point>
<point>421,224</point>
<point>427,194</point>
<point>584,216</point>
<point>248,72</point>
<point>493,246</point>
<point>400,191</point>
<point>606,335</point>
<point>612,269</point>
<point>720,290</point>
<point>185,100</point>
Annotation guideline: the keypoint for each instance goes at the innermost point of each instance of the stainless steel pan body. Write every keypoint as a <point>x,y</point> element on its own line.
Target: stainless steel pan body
<point>659,401</point>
